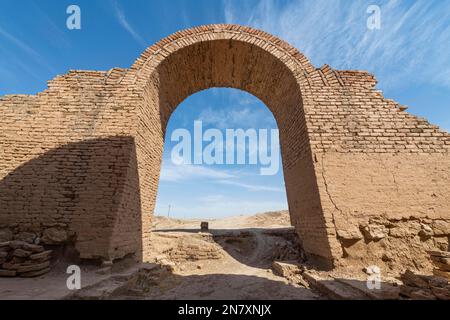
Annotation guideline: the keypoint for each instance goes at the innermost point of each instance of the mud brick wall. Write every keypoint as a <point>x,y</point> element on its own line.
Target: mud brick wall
<point>86,153</point>
<point>380,170</point>
<point>68,160</point>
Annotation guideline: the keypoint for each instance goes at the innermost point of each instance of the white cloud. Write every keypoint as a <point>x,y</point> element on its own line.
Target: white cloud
<point>27,49</point>
<point>411,47</point>
<point>218,209</point>
<point>251,187</point>
<point>126,25</point>
<point>174,173</point>
<point>235,118</point>
<point>192,173</point>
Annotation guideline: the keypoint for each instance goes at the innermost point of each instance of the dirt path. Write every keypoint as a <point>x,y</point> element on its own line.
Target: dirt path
<point>232,261</point>
<point>244,269</point>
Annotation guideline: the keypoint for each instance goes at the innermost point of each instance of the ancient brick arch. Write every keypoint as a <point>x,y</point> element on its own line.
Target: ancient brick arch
<point>84,156</point>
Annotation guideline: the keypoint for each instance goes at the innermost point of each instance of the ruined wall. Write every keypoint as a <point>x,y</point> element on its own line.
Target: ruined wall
<point>68,165</point>
<point>383,173</point>
<point>365,180</point>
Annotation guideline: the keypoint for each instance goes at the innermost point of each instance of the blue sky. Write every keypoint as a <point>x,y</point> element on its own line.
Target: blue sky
<point>410,56</point>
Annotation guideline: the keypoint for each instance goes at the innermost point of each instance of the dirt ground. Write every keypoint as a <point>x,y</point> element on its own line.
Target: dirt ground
<point>245,257</point>
<point>231,261</point>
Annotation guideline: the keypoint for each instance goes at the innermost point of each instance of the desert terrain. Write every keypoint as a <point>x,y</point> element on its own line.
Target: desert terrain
<point>232,260</point>
<point>244,257</point>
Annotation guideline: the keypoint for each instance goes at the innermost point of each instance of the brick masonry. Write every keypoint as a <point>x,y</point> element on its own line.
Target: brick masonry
<point>85,154</point>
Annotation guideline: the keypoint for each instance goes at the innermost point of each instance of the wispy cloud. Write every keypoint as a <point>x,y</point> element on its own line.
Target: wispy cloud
<point>33,54</point>
<point>223,119</point>
<point>195,173</point>
<point>219,207</point>
<point>251,187</point>
<point>54,33</point>
<point>411,47</point>
<point>175,173</point>
<point>120,14</point>
<point>236,117</point>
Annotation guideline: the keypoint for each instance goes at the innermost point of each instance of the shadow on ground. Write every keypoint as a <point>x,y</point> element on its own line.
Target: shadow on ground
<point>157,282</point>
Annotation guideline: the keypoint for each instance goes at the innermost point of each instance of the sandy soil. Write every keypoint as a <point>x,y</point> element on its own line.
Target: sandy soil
<point>274,219</point>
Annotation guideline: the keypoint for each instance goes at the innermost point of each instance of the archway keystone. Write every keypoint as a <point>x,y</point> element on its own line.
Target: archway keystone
<point>85,154</point>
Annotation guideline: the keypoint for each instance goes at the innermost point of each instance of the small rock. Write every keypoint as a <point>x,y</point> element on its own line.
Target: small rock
<point>33,274</point>
<point>442,293</point>
<point>289,270</point>
<point>386,257</point>
<point>436,253</point>
<point>438,282</point>
<point>16,244</point>
<point>107,263</point>
<point>34,248</point>
<point>5,235</point>
<point>33,267</point>
<point>371,270</point>
<point>442,266</point>
<point>204,226</point>
<point>422,295</point>
<point>27,237</point>
<point>409,278</point>
<point>441,227</point>
<point>374,232</point>
<point>7,273</point>
<point>285,269</point>
<point>168,265</point>
<point>17,260</point>
<point>11,266</point>
<point>21,253</point>
<point>442,274</point>
<point>445,261</point>
<point>54,236</point>
<point>42,255</point>
<point>4,244</point>
<point>406,290</point>
<point>399,232</point>
<point>350,234</point>
<point>425,232</point>
<point>160,258</point>
<point>441,243</point>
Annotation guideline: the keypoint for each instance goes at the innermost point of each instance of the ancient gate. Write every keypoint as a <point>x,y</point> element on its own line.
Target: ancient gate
<point>82,159</point>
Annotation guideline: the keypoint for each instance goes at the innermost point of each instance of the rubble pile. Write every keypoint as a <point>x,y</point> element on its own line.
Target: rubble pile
<point>23,259</point>
<point>441,263</point>
<point>25,253</point>
<point>425,287</point>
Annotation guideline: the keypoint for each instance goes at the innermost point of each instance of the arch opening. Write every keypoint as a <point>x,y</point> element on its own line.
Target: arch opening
<point>221,158</point>
<point>229,63</point>
<point>222,165</point>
